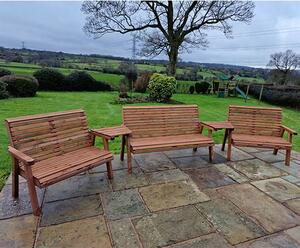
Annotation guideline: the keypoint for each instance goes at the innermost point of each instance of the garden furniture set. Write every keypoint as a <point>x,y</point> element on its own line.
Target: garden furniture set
<point>49,148</point>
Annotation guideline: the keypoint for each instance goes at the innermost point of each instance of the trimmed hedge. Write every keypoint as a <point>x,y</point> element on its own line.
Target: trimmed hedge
<point>202,87</point>
<point>3,90</point>
<point>161,87</point>
<point>21,86</point>
<point>50,79</point>
<point>4,72</point>
<point>283,96</point>
<point>82,81</point>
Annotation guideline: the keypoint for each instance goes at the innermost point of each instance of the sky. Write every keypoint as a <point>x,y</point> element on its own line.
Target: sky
<point>57,26</point>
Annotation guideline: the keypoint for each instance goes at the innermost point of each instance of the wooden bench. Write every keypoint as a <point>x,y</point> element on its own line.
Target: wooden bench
<point>259,127</point>
<point>48,148</point>
<point>161,128</point>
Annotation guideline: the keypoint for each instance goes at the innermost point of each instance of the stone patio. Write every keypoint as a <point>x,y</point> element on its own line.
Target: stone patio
<point>172,199</point>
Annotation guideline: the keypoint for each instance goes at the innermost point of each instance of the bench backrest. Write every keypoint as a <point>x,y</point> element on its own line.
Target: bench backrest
<point>256,120</point>
<point>48,135</point>
<point>154,121</point>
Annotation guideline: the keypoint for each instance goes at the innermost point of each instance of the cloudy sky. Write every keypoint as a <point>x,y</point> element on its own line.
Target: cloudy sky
<point>57,26</point>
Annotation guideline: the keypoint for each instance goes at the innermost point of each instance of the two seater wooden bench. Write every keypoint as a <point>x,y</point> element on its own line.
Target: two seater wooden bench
<point>259,127</point>
<point>162,128</point>
<point>51,147</point>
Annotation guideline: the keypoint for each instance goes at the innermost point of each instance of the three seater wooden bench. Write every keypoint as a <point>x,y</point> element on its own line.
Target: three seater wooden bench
<point>162,128</point>
<point>259,127</point>
<point>48,148</point>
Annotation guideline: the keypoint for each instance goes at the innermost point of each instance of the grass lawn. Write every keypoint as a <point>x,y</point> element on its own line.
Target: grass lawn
<point>101,113</point>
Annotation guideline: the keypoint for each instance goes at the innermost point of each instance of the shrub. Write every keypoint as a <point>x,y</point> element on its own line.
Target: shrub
<point>192,89</point>
<point>3,90</point>
<point>142,82</point>
<point>50,79</point>
<point>202,87</point>
<point>82,81</point>
<point>4,72</point>
<point>123,92</point>
<point>21,86</point>
<point>161,87</point>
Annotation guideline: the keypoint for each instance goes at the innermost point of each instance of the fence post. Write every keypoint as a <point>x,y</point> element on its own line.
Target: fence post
<point>261,91</point>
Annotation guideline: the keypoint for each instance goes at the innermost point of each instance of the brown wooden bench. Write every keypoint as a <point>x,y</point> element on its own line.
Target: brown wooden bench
<point>161,128</point>
<point>259,127</point>
<point>48,148</point>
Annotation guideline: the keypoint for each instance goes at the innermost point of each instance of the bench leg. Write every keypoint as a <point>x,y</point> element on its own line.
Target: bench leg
<point>122,148</point>
<point>109,170</point>
<point>129,157</point>
<point>15,179</point>
<point>195,149</point>
<point>211,153</point>
<point>33,198</point>
<point>275,151</point>
<point>288,157</point>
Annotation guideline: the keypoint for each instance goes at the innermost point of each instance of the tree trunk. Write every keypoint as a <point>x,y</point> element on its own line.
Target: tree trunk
<point>173,57</point>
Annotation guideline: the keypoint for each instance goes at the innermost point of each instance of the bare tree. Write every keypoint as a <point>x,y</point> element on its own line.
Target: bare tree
<point>169,27</point>
<point>285,63</point>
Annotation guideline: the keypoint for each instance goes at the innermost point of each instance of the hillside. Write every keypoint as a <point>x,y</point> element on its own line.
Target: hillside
<point>105,68</point>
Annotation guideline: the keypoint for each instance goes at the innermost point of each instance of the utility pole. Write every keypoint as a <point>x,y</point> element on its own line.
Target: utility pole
<point>133,47</point>
<point>23,44</point>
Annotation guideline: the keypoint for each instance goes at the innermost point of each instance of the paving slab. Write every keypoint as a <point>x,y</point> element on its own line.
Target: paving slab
<point>256,169</point>
<point>123,204</point>
<point>279,240</point>
<point>236,154</point>
<point>123,234</point>
<point>294,155</point>
<point>10,207</point>
<point>230,221</point>
<point>71,209</point>
<point>90,232</point>
<point>170,195</point>
<point>269,157</point>
<point>293,169</point>
<point>187,152</point>
<point>278,189</point>
<point>171,226</point>
<point>294,205</point>
<point>76,186</point>
<point>271,215</point>
<point>208,241</point>
<point>117,164</point>
<point>209,177</point>
<point>291,179</point>
<point>228,171</point>
<point>18,232</point>
<point>217,159</point>
<point>294,233</point>
<point>125,180</point>
<point>154,161</point>
<point>166,176</point>
<point>190,162</point>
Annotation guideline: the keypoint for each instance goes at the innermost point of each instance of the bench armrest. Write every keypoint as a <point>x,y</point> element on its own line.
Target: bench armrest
<point>204,125</point>
<point>98,134</point>
<point>20,156</point>
<point>289,130</point>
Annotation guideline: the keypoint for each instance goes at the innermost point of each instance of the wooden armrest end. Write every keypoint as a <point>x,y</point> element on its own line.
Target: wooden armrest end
<point>205,125</point>
<point>289,130</point>
<point>20,156</point>
<point>99,134</point>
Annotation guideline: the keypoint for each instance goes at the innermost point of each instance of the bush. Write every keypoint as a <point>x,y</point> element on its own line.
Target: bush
<point>202,87</point>
<point>82,81</point>
<point>123,91</point>
<point>21,86</point>
<point>192,89</point>
<point>4,72</point>
<point>3,90</point>
<point>142,82</point>
<point>50,79</point>
<point>161,87</point>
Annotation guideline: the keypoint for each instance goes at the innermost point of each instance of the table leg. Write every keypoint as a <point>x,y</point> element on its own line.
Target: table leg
<point>129,158</point>
<point>224,139</point>
<point>122,148</point>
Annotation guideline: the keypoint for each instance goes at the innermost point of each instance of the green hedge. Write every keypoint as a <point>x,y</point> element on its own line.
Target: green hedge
<point>161,87</point>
